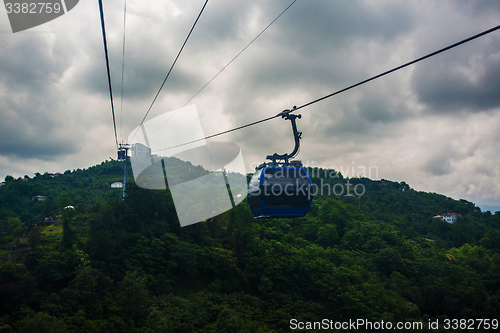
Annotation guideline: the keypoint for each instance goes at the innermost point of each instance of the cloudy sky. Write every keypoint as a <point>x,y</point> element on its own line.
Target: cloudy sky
<point>434,125</point>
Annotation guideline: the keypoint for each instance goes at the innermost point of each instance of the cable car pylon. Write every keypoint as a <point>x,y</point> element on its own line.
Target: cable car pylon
<point>122,162</point>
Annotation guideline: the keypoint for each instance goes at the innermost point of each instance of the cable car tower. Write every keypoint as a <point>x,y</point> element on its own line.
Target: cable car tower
<point>122,163</point>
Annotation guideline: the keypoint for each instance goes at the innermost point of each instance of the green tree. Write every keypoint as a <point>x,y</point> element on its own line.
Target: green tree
<point>34,238</point>
<point>17,288</point>
<point>42,323</point>
<point>86,292</point>
<point>47,211</point>
<point>64,202</point>
<point>229,321</point>
<point>389,260</point>
<point>68,236</point>
<point>134,296</point>
<point>328,236</point>
<point>53,270</point>
<point>14,225</point>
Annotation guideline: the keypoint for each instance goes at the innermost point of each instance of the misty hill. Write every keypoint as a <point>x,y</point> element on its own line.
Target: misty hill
<point>377,256</point>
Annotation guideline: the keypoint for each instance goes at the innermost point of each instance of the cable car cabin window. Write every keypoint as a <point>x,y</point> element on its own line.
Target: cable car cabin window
<point>285,188</point>
<point>253,191</point>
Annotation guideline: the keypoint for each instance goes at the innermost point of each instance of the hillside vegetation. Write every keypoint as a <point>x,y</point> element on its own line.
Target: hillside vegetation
<point>127,266</point>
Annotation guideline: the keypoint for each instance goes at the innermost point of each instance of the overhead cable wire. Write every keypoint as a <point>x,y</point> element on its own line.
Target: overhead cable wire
<point>107,67</point>
<point>281,114</point>
<point>402,66</point>
<point>231,130</point>
<point>227,65</point>
<point>123,65</point>
<point>180,51</point>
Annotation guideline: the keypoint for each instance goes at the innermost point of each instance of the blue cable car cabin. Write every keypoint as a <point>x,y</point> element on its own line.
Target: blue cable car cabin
<point>279,191</point>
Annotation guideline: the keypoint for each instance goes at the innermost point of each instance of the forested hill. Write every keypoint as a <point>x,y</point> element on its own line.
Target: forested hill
<point>127,266</point>
<point>82,189</point>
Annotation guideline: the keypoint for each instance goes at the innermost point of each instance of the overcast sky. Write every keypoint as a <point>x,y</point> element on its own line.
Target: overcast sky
<point>434,125</point>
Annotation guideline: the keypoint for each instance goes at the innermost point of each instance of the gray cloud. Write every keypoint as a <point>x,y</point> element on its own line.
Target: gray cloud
<point>478,8</point>
<point>30,108</point>
<point>31,63</point>
<point>28,128</point>
<point>331,25</point>
<point>448,85</point>
<point>439,164</point>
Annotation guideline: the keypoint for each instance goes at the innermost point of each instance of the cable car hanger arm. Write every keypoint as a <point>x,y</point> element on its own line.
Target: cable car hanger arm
<point>286,114</point>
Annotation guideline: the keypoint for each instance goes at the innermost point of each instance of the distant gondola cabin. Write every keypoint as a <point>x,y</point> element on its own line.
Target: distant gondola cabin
<point>280,192</point>
<point>122,155</point>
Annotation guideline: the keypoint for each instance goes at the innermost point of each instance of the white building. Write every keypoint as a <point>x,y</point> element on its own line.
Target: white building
<point>117,185</point>
<point>448,217</point>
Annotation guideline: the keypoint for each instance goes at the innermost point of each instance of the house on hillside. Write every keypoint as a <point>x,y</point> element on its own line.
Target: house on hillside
<point>448,217</point>
<point>55,175</point>
<point>38,198</point>
<point>117,185</point>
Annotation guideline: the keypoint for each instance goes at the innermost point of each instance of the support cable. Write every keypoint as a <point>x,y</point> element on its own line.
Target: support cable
<point>281,114</point>
<point>123,66</point>
<point>107,67</point>
<point>231,130</point>
<point>227,65</point>
<point>402,66</point>
<point>158,93</point>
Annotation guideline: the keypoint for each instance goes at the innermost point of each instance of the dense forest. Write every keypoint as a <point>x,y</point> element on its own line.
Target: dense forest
<point>113,265</point>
